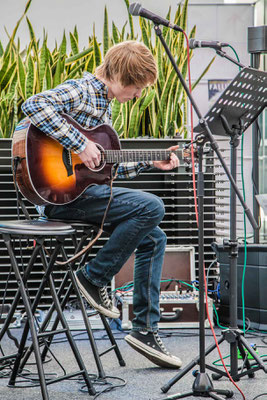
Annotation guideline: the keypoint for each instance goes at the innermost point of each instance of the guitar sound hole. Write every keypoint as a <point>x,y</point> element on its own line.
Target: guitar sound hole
<point>102,162</point>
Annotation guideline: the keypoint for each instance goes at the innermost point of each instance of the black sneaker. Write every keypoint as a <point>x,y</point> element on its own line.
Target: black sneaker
<point>150,345</point>
<point>96,296</point>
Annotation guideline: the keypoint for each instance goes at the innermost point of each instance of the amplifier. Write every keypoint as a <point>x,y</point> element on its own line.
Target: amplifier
<point>178,310</point>
<point>178,301</point>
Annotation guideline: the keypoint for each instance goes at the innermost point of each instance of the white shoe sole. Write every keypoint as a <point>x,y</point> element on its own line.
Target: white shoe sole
<point>102,310</point>
<point>153,355</point>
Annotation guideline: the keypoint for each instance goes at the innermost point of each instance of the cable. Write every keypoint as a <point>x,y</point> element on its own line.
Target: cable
<point>110,387</point>
<point>245,235</point>
<point>259,395</point>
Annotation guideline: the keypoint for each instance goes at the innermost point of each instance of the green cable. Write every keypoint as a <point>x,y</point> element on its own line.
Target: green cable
<point>217,318</point>
<point>245,238</point>
<point>162,281</point>
<point>235,53</point>
<point>244,218</point>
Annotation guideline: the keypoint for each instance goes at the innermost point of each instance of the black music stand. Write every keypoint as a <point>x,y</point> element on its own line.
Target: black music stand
<point>238,106</point>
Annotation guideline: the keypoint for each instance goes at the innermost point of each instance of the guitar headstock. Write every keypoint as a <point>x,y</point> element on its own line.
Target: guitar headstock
<point>187,154</point>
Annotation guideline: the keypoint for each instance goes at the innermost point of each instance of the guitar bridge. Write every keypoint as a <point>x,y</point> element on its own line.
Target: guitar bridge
<point>67,161</point>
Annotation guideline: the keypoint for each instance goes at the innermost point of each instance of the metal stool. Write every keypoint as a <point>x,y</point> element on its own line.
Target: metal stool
<point>38,231</point>
<point>67,286</point>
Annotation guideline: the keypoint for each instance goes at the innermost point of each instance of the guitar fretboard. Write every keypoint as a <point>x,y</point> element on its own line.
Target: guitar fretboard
<point>118,156</point>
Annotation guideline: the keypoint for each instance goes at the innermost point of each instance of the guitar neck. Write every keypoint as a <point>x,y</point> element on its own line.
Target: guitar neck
<point>119,156</point>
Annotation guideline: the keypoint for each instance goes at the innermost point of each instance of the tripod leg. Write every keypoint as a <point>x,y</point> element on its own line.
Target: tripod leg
<point>226,393</point>
<point>176,378</point>
<point>253,353</point>
<point>245,358</point>
<point>214,396</point>
<point>178,396</point>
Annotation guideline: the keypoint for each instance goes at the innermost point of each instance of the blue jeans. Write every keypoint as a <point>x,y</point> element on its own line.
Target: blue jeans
<point>132,221</point>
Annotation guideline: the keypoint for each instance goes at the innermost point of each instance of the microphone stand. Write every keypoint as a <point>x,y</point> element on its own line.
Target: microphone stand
<point>202,386</point>
<point>222,53</point>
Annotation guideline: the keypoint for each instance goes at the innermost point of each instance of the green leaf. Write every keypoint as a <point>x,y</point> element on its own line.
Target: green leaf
<point>1,49</point>
<point>203,73</point>
<point>59,70</point>
<point>63,46</point>
<point>74,44</point>
<point>97,53</point>
<point>75,33</point>
<point>43,62</point>
<point>130,18</point>
<point>8,75</point>
<point>144,29</point>
<point>5,65</point>
<point>32,36</point>
<point>133,119</point>
<point>115,34</point>
<point>76,72</point>
<point>106,39</point>
<point>90,63</point>
<point>118,123</point>
<point>183,19</point>
<point>22,77</point>
<point>48,77</point>
<point>116,109</point>
<point>78,56</point>
<point>30,77</point>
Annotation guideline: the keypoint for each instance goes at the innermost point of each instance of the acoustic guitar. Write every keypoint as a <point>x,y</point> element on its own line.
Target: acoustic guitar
<point>46,173</point>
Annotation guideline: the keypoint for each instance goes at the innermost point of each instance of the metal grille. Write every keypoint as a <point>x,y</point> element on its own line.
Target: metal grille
<point>174,187</point>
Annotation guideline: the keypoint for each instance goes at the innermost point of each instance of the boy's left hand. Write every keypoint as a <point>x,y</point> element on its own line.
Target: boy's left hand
<point>172,163</point>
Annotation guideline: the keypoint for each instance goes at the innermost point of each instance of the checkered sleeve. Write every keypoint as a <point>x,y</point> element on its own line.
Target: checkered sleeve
<point>44,110</point>
<point>131,170</point>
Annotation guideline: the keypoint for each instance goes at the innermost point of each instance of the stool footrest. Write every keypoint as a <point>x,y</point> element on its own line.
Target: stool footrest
<point>50,333</point>
<point>63,377</point>
<point>107,350</point>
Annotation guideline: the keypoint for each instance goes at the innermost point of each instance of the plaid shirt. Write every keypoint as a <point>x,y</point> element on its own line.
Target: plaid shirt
<point>86,101</point>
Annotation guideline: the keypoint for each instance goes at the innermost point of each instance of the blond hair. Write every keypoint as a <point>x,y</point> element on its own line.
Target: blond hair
<point>131,62</point>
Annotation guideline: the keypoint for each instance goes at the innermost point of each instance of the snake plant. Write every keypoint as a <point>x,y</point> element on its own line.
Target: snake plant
<point>160,111</point>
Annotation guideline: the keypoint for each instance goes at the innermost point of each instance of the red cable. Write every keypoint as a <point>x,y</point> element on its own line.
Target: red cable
<point>196,210</point>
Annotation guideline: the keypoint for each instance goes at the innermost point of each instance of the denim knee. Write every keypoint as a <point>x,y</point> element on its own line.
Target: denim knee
<point>156,208</point>
<point>163,238</point>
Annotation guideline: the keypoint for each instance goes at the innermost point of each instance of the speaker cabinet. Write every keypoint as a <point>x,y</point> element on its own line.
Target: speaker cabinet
<point>255,293</point>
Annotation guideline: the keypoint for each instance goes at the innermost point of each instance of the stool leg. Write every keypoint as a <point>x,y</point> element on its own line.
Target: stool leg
<point>64,324</point>
<point>72,343</point>
<point>30,324</point>
<point>25,278</point>
<point>112,340</point>
<point>84,313</point>
<point>87,325</point>
<point>45,323</point>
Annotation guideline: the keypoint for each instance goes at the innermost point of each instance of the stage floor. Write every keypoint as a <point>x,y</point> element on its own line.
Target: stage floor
<point>143,379</point>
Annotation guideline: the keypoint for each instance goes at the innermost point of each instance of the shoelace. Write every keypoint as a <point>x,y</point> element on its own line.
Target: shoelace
<point>105,297</point>
<point>160,343</point>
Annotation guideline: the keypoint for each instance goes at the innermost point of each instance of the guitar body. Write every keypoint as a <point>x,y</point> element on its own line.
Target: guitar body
<point>48,174</point>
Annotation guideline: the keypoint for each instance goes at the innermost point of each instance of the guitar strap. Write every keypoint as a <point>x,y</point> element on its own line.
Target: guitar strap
<point>101,229</point>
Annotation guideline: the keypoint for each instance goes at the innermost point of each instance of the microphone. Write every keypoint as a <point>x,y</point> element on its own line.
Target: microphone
<point>193,44</point>
<point>137,9</point>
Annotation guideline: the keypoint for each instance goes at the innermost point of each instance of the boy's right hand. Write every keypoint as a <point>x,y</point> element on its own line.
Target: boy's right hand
<point>91,156</point>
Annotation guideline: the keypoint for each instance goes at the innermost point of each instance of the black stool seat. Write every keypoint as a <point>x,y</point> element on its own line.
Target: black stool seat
<point>35,227</point>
